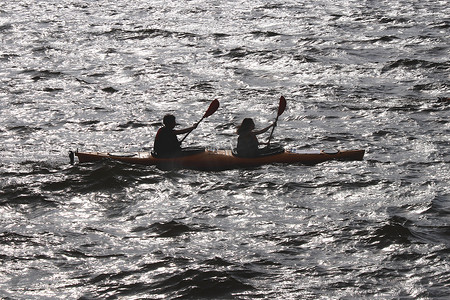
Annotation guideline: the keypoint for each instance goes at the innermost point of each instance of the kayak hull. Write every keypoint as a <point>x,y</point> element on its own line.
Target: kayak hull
<point>218,160</point>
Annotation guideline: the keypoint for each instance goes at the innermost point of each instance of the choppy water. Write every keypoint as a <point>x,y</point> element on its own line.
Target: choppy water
<point>99,75</point>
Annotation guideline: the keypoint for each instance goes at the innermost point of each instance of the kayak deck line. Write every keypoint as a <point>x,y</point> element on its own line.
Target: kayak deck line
<point>217,160</point>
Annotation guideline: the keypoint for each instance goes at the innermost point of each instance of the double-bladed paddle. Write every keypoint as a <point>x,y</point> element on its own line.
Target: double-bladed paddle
<point>281,108</point>
<point>211,109</point>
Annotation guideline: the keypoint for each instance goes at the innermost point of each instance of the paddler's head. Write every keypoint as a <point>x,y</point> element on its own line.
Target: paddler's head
<point>246,125</point>
<point>169,121</point>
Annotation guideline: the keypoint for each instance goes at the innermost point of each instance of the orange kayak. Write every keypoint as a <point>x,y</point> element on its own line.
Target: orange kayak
<point>216,160</point>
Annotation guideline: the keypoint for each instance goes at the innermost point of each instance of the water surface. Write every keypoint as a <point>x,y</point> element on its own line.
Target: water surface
<point>99,76</point>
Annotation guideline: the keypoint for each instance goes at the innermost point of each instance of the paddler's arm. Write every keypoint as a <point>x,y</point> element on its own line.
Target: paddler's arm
<point>264,129</point>
<point>185,130</point>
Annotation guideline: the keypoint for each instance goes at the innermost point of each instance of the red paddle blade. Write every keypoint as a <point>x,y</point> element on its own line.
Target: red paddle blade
<point>281,106</point>
<point>212,108</point>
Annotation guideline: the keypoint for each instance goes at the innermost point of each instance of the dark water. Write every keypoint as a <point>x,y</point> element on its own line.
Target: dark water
<point>99,75</point>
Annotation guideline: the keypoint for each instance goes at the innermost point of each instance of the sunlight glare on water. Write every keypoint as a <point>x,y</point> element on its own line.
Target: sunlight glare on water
<point>99,76</point>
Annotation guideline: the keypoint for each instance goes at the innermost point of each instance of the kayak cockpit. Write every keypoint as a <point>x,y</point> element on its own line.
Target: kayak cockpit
<point>188,151</point>
<point>262,152</point>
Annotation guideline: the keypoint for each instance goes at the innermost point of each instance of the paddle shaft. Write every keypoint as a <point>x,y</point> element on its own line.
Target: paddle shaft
<point>191,131</point>
<point>281,108</point>
<point>211,109</point>
<point>271,132</point>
